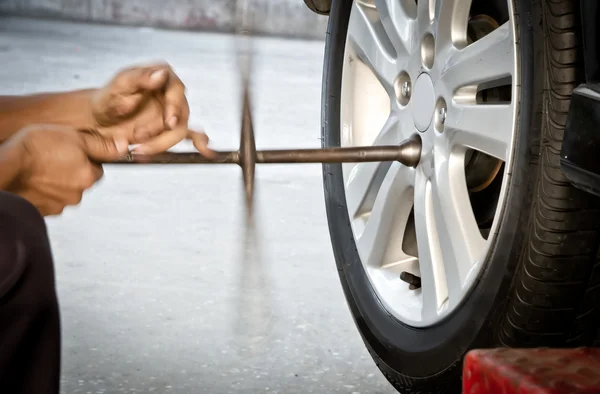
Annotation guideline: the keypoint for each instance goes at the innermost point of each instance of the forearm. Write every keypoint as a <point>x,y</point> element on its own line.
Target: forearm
<point>65,108</point>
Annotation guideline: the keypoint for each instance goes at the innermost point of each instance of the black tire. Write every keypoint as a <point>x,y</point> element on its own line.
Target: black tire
<point>541,286</point>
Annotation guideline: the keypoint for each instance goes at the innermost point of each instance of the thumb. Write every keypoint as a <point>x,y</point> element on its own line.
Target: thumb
<point>141,80</point>
<point>101,149</point>
<point>200,141</point>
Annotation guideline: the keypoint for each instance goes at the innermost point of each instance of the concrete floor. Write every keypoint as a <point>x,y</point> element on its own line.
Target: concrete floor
<point>148,266</point>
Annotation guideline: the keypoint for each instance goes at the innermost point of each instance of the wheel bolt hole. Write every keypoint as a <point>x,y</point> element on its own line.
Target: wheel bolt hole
<point>428,51</point>
<point>403,88</point>
<point>441,112</point>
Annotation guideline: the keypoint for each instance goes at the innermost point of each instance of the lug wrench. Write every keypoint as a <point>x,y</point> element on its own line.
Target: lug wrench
<point>407,153</point>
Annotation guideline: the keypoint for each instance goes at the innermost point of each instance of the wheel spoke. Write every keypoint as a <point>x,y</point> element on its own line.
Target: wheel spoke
<point>393,199</point>
<point>460,240</point>
<point>452,17</point>
<point>406,124</point>
<point>372,46</point>
<point>425,14</point>
<point>365,179</point>
<point>486,128</point>
<point>486,60</point>
<point>363,185</point>
<point>398,261</point>
<point>397,18</point>
<point>434,286</point>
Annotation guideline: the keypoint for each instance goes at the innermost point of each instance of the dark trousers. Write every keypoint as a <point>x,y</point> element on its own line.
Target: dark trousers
<point>29,316</point>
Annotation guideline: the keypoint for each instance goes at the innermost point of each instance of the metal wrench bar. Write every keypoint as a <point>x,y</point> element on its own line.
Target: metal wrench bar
<point>407,153</point>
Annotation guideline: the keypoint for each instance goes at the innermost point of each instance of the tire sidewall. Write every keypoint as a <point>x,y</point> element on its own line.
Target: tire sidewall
<point>428,351</point>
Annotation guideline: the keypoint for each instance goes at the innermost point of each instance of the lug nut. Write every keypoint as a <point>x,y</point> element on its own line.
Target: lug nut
<point>402,88</point>
<point>405,90</point>
<point>441,112</point>
<point>413,281</point>
<point>442,115</point>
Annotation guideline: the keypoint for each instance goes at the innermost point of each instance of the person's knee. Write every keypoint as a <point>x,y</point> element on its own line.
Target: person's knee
<point>24,250</point>
<point>14,208</point>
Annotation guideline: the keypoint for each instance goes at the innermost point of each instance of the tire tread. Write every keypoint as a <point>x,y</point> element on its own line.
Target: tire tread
<point>555,300</point>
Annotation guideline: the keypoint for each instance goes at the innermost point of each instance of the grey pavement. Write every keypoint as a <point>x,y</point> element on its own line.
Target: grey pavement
<point>148,266</point>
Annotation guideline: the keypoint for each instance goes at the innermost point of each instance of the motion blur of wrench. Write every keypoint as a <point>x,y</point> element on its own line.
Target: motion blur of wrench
<point>253,312</point>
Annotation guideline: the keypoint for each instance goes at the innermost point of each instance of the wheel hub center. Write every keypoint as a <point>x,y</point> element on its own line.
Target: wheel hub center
<point>423,102</point>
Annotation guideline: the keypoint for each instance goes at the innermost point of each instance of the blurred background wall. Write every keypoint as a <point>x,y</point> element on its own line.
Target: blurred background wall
<point>283,18</point>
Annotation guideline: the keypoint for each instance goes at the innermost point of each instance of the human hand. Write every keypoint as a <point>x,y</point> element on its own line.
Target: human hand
<point>147,106</point>
<point>51,166</point>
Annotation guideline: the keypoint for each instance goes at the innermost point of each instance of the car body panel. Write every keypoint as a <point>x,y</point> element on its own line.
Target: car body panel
<point>580,161</point>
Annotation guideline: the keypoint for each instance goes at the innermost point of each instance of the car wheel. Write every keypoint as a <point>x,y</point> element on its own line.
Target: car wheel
<point>484,243</point>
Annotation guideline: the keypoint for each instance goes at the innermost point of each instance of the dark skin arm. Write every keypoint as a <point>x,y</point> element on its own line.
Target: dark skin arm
<point>51,144</point>
<point>146,105</point>
<point>51,166</point>
<point>65,108</point>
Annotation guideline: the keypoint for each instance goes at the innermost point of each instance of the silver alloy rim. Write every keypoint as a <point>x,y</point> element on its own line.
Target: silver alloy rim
<point>408,68</point>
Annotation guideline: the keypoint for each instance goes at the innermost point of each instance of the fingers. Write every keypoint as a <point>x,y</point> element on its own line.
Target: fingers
<point>162,142</point>
<point>174,112</point>
<point>168,139</point>
<point>176,126</point>
<point>141,79</point>
<point>53,196</point>
<point>44,205</point>
<point>127,91</point>
<point>200,141</point>
<point>87,176</point>
<point>142,134</point>
<point>176,108</point>
<point>101,149</point>
<point>58,166</point>
<point>149,126</point>
<point>49,204</point>
<point>52,199</point>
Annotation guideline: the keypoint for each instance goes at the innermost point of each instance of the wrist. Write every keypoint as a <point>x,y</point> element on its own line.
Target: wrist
<point>73,109</point>
<point>81,115</point>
